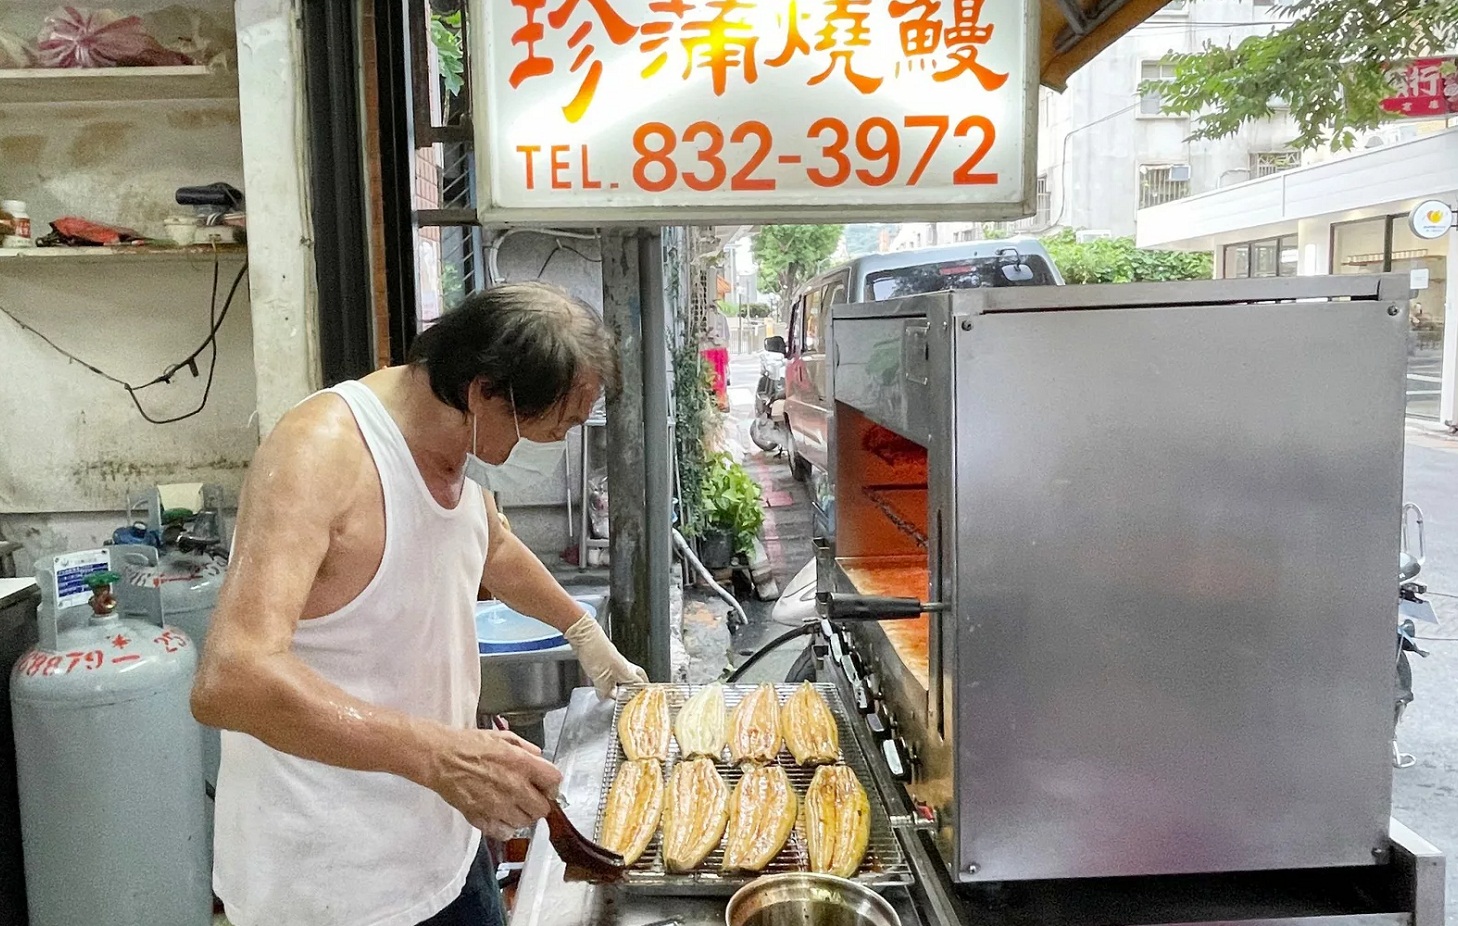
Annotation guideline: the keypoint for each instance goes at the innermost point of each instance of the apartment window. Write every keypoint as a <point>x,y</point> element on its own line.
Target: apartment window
<point>1265,163</point>
<point>1152,101</point>
<point>1269,257</point>
<point>1044,203</point>
<point>1163,183</point>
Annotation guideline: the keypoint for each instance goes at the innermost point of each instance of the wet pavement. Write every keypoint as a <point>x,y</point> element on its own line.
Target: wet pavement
<point>787,524</point>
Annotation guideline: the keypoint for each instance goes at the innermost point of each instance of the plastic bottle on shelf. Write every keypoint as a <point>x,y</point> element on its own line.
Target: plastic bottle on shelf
<point>20,237</point>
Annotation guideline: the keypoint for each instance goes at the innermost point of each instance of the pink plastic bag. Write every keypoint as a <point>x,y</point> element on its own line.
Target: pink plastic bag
<point>73,37</point>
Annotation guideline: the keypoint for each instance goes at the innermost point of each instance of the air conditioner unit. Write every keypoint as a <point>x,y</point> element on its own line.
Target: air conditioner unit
<point>1087,235</point>
<point>1179,173</point>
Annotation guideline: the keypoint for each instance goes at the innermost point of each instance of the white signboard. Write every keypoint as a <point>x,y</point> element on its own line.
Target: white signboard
<point>1431,219</point>
<point>666,111</point>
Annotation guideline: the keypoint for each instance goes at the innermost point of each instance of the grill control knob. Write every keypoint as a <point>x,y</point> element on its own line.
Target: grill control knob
<point>897,761</point>
<point>876,725</point>
<point>864,702</point>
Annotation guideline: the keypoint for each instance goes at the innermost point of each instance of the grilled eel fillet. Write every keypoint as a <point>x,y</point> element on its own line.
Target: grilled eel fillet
<point>761,815</point>
<point>809,727</point>
<point>754,727</point>
<point>634,805</point>
<point>643,725</point>
<point>837,821</point>
<point>695,814</point>
<point>699,726</point>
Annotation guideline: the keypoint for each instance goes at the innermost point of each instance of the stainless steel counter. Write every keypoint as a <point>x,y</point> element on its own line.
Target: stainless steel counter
<point>543,899</point>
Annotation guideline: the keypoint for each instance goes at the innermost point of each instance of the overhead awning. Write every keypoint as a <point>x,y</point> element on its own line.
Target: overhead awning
<point>1074,31</point>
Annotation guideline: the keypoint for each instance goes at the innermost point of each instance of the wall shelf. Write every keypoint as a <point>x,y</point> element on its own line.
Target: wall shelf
<point>93,85</point>
<point>121,254</point>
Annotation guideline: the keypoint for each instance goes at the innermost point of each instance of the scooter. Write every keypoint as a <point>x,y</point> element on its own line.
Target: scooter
<point>1411,608</point>
<point>769,426</point>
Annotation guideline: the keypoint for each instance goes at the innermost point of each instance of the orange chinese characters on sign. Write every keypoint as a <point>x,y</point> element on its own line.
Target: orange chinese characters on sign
<point>924,34</point>
<point>721,42</point>
<point>600,12</point>
<point>844,32</point>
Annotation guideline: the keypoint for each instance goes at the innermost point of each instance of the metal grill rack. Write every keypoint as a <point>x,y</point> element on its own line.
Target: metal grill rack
<point>884,865</point>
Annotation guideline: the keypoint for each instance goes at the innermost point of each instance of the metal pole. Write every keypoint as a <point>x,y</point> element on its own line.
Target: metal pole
<point>627,574</point>
<point>657,453</point>
<point>1448,388</point>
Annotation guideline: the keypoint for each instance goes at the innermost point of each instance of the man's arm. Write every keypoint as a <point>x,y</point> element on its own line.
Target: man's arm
<point>300,484</point>
<point>517,577</point>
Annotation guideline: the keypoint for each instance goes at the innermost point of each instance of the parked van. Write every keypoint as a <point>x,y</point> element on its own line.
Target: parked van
<point>1009,262</point>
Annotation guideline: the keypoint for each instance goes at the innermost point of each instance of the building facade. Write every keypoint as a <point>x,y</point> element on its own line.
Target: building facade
<point>1105,150</point>
<point>1346,214</point>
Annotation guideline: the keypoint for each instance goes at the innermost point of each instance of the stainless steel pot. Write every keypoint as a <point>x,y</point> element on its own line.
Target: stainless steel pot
<point>804,899</point>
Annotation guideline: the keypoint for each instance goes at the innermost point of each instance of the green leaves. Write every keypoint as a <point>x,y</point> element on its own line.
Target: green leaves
<point>732,501</point>
<point>788,255</point>
<point>1117,260</point>
<point>1327,65</point>
<point>445,36</point>
<point>693,408</point>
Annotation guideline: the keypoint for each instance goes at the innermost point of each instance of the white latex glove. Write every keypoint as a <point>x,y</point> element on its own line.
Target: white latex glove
<point>600,659</point>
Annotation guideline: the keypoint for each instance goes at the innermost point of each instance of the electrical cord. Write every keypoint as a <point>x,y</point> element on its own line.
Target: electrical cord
<point>559,246</point>
<point>215,322</point>
<point>768,648</point>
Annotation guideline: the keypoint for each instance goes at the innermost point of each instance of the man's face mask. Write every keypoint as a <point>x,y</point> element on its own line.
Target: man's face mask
<point>526,465</point>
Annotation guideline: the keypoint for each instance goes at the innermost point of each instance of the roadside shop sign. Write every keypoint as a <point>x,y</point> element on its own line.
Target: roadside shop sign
<point>1431,219</point>
<point>669,111</point>
<point>1423,88</point>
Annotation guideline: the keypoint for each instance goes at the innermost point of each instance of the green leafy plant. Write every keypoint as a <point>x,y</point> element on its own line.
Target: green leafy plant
<point>1327,66</point>
<point>730,309</point>
<point>445,37</point>
<point>693,403</point>
<point>732,501</point>
<point>1117,260</point>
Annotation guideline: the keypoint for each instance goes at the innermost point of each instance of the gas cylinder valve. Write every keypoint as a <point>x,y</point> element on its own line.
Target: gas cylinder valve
<point>103,599</point>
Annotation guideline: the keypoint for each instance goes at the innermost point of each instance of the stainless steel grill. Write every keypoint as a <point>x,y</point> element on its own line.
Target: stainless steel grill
<point>883,866</point>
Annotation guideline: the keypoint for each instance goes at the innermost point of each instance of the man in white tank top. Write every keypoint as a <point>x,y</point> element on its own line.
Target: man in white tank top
<point>341,663</point>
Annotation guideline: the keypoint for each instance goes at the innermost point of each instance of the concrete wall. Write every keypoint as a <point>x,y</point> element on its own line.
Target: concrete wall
<point>1093,137</point>
<point>539,516</point>
<point>74,444</point>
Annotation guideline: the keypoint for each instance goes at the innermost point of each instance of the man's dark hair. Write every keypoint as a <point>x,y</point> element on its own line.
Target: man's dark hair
<point>527,341</point>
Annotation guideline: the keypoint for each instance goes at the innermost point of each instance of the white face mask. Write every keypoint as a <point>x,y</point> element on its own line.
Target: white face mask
<point>526,465</point>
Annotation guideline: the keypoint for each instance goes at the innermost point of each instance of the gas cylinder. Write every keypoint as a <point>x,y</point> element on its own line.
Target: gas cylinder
<point>188,574</point>
<point>108,755</point>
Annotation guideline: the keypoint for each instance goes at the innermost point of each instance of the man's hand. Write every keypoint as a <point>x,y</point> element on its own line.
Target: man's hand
<point>600,659</point>
<point>497,780</point>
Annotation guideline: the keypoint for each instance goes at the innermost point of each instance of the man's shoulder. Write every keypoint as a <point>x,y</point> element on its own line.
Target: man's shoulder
<point>318,432</point>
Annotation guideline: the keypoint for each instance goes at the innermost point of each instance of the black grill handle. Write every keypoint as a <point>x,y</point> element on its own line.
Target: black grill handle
<point>837,606</point>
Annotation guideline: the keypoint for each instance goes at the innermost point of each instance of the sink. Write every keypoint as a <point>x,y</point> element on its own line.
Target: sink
<point>527,668</point>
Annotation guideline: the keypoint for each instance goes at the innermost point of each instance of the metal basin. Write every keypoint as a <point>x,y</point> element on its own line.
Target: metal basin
<point>804,899</point>
<point>532,682</point>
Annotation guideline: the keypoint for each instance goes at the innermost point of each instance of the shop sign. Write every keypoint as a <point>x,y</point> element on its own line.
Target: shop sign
<point>666,111</point>
<point>1431,219</point>
<point>1423,88</point>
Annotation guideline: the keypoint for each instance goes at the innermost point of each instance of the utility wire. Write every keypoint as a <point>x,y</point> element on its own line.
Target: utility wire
<point>215,322</point>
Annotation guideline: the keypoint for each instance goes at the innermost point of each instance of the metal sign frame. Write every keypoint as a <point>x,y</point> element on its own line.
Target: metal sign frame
<point>830,212</point>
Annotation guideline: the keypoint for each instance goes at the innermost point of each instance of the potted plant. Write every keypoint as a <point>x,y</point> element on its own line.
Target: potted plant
<point>732,511</point>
